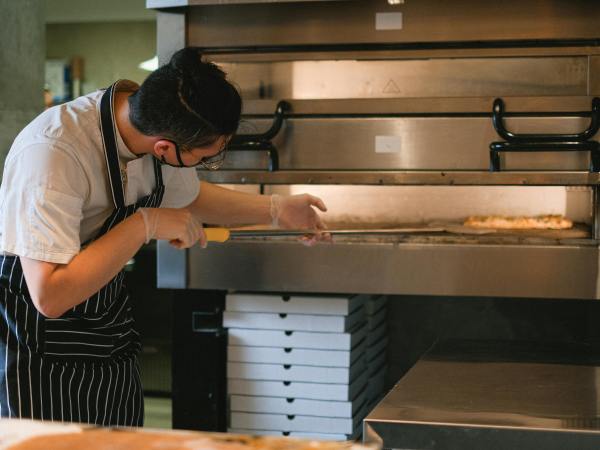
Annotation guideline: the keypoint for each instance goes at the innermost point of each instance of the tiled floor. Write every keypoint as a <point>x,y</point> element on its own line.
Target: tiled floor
<point>158,412</point>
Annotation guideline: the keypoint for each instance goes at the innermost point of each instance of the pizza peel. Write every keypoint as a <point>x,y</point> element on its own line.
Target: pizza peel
<point>218,234</point>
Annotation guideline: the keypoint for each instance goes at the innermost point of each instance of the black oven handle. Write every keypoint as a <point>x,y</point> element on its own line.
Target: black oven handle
<point>262,142</point>
<point>498,121</point>
<point>588,146</point>
<point>544,142</point>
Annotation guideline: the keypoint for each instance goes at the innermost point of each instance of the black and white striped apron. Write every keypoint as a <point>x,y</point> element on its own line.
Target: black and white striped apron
<point>81,367</point>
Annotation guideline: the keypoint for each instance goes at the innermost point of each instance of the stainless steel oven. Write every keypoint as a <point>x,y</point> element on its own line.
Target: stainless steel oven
<point>417,113</point>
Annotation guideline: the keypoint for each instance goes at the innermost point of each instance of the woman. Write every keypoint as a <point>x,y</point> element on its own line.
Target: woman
<point>85,185</point>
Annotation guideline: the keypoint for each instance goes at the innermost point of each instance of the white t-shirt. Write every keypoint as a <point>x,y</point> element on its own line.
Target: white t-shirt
<point>55,192</point>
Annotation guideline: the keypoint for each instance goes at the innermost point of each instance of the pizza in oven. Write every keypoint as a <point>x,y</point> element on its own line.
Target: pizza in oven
<point>546,222</point>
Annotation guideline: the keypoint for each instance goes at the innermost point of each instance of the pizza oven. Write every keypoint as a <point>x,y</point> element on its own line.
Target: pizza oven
<point>397,128</point>
<point>408,117</point>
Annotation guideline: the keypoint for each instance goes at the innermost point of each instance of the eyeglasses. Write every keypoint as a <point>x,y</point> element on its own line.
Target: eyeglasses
<point>214,162</point>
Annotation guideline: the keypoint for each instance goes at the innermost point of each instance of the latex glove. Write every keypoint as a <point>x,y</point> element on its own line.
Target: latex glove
<point>178,226</point>
<point>298,212</point>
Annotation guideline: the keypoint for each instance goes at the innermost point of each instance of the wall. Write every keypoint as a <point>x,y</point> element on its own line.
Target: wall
<point>22,36</point>
<point>78,11</point>
<point>111,50</point>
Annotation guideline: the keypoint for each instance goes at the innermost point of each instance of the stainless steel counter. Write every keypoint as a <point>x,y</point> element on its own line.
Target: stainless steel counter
<point>493,395</point>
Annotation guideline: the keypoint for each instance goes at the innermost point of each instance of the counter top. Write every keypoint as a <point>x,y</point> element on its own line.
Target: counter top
<point>33,435</point>
<point>494,395</point>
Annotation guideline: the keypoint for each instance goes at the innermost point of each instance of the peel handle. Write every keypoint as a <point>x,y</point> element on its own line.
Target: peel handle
<point>217,234</point>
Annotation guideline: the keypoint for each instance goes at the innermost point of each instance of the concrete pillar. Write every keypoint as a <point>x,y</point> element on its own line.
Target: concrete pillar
<point>22,56</point>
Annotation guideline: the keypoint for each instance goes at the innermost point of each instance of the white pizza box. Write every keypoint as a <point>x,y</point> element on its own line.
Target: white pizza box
<point>295,372</point>
<point>375,364</point>
<point>336,305</point>
<point>377,350</point>
<point>283,422</point>
<point>296,339</point>
<point>375,303</point>
<point>274,355</point>
<point>376,384</point>
<point>298,406</point>
<point>294,389</point>
<point>294,322</point>
<point>299,434</point>
<point>377,319</point>
<point>373,336</point>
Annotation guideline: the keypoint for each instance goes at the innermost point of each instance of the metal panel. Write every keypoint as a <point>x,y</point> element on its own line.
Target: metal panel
<point>386,178</point>
<point>466,77</point>
<point>171,266</point>
<point>460,401</point>
<point>426,143</point>
<point>420,106</point>
<point>564,271</point>
<point>425,21</point>
<point>397,52</point>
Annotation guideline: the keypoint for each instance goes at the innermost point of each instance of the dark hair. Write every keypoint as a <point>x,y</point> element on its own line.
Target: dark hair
<point>188,100</point>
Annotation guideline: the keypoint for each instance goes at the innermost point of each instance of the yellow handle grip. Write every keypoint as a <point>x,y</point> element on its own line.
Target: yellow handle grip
<point>216,234</point>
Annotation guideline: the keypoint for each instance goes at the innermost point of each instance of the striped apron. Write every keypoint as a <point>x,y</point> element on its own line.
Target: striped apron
<point>81,367</point>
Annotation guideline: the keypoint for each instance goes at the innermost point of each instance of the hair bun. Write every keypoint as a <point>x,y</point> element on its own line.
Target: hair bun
<point>187,100</point>
<point>186,60</point>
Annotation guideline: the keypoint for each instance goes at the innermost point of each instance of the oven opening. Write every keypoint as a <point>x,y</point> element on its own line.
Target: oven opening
<point>460,214</point>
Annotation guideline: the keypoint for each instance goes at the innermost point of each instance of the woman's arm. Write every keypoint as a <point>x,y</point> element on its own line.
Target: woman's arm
<point>217,205</point>
<point>56,288</point>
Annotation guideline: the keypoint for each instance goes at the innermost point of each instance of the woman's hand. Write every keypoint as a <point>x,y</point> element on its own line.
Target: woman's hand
<point>298,212</point>
<point>178,226</point>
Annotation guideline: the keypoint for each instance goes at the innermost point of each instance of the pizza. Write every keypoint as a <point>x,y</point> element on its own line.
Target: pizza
<point>545,222</point>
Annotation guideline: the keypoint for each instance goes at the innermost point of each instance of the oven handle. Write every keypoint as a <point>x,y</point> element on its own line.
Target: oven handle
<point>262,142</point>
<point>544,142</point>
<point>589,146</point>
<point>498,121</point>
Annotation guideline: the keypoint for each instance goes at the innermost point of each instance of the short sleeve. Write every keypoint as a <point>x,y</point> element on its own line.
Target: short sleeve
<point>181,186</point>
<point>43,193</point>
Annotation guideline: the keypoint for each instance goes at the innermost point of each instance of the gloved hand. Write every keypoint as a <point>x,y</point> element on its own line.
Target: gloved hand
<point>298,212</point>
<point>178,226</point>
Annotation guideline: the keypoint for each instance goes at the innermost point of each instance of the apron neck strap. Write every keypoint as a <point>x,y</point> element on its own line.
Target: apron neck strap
<point>111,149</point>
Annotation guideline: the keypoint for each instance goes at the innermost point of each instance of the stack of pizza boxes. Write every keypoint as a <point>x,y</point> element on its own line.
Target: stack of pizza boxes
<point>298,365</point>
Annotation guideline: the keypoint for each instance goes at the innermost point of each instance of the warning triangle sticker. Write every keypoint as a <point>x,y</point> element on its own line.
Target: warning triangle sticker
<point>391,88</point>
